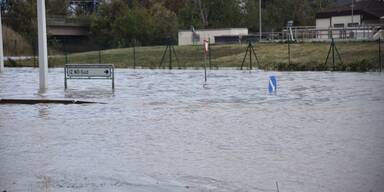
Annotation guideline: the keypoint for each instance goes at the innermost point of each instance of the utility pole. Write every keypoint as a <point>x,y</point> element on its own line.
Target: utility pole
<point>42,33</point>
<point>260,31</point>
<point>352,25</point>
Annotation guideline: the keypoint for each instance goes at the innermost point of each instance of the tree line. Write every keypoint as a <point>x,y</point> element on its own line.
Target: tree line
<point>119,23</point>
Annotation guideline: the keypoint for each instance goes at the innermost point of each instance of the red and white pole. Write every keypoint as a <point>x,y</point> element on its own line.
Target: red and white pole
<point>206,49</point>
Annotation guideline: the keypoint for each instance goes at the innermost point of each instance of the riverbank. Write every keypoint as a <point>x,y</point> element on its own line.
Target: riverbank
<point>356,56</point>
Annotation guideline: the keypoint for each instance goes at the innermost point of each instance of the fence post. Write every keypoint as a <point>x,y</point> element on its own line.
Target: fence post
<point>333,54</point>
<point>170,56</point>
<point>250,58</point>
<point>134,53</point>
<point>34,53</point>
<point>66,58</point>
<point>65,51</point>
<point>99,56</point>
<point>289,51</point>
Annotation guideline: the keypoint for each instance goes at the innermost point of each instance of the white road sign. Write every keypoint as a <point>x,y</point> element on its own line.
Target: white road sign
<point>88,71</point>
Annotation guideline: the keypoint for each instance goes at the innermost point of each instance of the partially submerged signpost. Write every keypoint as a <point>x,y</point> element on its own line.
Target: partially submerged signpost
<point>206,50</point>
<point>89,71</point>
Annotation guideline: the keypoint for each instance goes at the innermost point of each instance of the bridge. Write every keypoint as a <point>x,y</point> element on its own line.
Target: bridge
<point>61,27</point>
<point>73,25</point>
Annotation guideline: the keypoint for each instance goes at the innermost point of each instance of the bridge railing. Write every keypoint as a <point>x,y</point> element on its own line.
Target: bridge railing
<point>62,20</point>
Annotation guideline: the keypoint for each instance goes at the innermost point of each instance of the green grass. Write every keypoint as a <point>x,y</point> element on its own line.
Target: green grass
<point>357,56</point>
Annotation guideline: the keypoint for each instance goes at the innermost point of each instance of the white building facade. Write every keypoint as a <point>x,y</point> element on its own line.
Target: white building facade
<point>191,37</point>
<point>343,23</point>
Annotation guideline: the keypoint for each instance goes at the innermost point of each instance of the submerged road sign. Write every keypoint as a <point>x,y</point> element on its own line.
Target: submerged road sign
<point>89,71</point>
<point>272,84</point>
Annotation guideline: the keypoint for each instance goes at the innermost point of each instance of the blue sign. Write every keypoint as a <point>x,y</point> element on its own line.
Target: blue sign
<point>272,84</point>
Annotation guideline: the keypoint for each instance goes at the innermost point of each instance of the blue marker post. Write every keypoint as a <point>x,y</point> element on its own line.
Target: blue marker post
<point>272,84</point>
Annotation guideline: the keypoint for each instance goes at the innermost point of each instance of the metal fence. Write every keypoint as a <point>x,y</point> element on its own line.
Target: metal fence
<point>268,55</point>
<point>311,33</point>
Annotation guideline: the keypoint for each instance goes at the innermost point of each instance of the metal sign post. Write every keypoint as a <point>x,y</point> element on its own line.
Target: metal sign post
<point>89,71</point>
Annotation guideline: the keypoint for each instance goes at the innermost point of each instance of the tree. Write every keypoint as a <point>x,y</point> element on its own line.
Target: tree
<point>118,22</point>
<point>57,7</point>
<point>101,26</point>
<point>189,16</point>
<point>212,14</point>
<point>21,17</point>
<point>135,23</point>
<point>223,13</point>
<point>166,24</point>
<point>251,14</point>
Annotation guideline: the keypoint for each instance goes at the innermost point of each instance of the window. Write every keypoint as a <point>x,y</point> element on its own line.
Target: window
<point>353,24</point>
<point>338,25</point>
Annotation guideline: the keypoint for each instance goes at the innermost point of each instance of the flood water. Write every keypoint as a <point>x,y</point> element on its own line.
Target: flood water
<point>163,131</point>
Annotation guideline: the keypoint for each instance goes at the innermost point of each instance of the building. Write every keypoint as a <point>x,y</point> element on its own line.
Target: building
<point>366,19</point>
<point>191,37</point>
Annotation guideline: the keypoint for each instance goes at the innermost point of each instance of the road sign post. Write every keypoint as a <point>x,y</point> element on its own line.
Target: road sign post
<point>206,50</point>
<point>89,71</point>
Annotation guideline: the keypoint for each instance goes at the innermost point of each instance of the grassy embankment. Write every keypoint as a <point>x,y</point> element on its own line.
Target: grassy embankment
<point>14,43</point>
<point>357,56</point>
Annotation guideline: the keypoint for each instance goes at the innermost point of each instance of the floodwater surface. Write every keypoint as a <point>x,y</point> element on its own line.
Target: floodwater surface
<point>163,131</point>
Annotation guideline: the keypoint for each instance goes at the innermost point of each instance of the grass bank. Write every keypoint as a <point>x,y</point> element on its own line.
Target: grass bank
<point>357,56</point>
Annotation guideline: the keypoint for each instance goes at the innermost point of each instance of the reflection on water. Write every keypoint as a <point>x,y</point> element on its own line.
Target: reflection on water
<point>43,111</point>
<point>164,131</point>
<point>91,93</point>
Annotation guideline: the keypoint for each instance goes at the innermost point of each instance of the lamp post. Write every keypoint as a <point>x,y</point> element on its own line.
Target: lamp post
<point>352,13</point>
<point>1,46</point>
<point>42,33</point>
<point>260,32</point>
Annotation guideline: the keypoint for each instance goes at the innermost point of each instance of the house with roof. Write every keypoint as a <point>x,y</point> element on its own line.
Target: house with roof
<point>361,20</point>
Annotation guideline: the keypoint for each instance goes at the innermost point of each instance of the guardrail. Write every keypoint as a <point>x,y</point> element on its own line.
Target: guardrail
<point>62,20</point>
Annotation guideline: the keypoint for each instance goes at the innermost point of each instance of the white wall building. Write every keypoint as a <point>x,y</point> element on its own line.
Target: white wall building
<point>189,37</point>
<point>344,24</point>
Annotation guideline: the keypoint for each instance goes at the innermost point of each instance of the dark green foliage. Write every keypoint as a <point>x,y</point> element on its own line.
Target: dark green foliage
<point>117,24</point>
<point>21,17</point>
